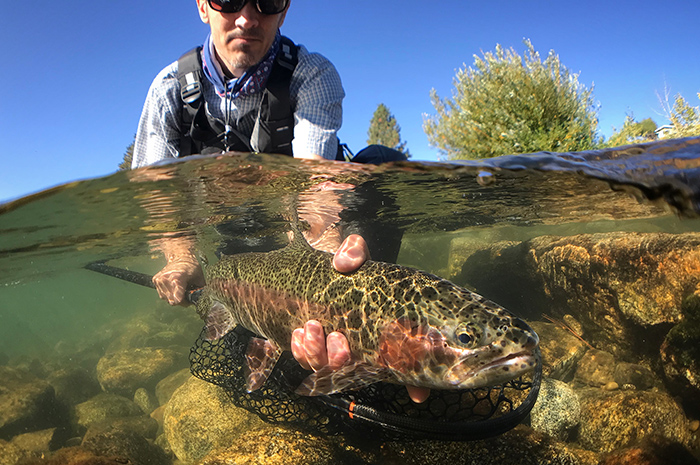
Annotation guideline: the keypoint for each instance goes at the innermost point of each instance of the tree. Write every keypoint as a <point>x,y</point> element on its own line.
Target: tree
<point>633,132</point>
<point>128,155</point>
<point>384,130</point>
<point>685,120</point>
<point>512,104</point>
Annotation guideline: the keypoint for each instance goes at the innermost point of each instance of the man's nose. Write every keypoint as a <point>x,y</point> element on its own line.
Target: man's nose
<point>248,17</point>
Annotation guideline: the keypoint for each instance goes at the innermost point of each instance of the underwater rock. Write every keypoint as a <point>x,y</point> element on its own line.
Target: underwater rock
<point>680,353</point>
<point>31,364</point>
<point>596,368</point>
<point>73,385</point>
<point>145,400</point>
<point>11,454</point>
<point>168,385</point>
<point>74,456</point>
<point>41,442</point>
<point>639,376</point>
<point>279,446</point>
<point>616,283</point>
<point>498,270</point>
<point>617,419</point>
<point>124,443</point>
<point>125,371</point>
<point>652,450</point>
<point>561,350</point>
<point>200,418</point>
<point>26,403</point>
<point>104,406</point>
<point>144,425</point>
<point>522,445</point>
<point>557,410</point>
<point>168,339</point>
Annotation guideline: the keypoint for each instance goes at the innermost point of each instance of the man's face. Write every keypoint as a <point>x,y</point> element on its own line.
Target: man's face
<point>240,39</point>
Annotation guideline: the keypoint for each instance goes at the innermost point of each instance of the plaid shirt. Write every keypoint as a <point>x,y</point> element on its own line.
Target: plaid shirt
<point>315,91</point>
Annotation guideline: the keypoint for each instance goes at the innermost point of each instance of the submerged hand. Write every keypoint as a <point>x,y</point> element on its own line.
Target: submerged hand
<point>173,280</point>
<point>312,348</point>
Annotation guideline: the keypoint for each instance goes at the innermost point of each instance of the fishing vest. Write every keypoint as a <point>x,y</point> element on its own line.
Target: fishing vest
<point>274,126</point>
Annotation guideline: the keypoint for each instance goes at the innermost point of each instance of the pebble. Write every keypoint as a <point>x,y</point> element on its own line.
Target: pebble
<point>694,425</point>
<point>611,386</point>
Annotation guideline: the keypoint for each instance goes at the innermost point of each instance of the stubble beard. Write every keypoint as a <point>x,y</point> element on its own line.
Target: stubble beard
<point>245,56</point>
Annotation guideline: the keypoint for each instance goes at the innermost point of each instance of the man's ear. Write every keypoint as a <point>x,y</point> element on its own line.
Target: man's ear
<point>203,9</point>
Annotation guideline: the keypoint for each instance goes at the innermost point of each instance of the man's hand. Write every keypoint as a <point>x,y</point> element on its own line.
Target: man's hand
<point>174,279</point>
<point>181,272</point>
<point>312,348</point>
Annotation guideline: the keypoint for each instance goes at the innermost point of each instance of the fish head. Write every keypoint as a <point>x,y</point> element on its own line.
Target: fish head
<point>484,345</point>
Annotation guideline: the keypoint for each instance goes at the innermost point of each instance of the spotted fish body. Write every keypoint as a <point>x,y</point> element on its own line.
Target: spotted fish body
<point>402,325</point>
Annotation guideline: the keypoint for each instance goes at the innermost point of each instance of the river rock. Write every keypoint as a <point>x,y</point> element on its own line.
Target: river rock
<point>613,420</point>
<point>125,371</point>
<point>74,455</point>
<point>596,368</point>
<point>11,454</point>
<point>680,353</point>
<point>26,403</point>
<point>636,375</point>
<point>73,385</point>
<point>557,410</point>
<point>618,283</point>
<point>145,400</point>
<point>104,406</point>
<point>522,445</point>
<point>124,443</point>
<point>279,446</point>
<point>652,450</point>
<point>561,350</point>
<point>41,442</point>
<point>200,418</point>
<point>168,385</point>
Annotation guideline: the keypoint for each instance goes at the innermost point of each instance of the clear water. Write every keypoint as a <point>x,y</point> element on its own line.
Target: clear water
<point>50,305</point>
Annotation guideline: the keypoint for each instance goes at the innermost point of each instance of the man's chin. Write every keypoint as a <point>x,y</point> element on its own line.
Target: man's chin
<point>244,59</point>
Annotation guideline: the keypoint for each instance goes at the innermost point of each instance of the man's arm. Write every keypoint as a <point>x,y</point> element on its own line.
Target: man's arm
<point>158,132</point>
<point>317,94</point>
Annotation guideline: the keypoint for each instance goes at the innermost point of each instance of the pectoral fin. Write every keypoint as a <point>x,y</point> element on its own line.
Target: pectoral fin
<point>351,376</point>
<point>218,321</point>
<point>261,357</point>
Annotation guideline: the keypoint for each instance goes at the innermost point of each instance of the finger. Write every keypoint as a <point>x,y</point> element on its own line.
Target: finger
<point>418,394</point>
<point>298,348</point>
<point>163,291</point>
<point>315,345</point>
<point>169,287</point>
<point>351,254</point>
<point>338,350</point>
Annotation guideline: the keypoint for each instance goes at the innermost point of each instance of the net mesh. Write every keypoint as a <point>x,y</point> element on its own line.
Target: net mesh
<point>383,410</point>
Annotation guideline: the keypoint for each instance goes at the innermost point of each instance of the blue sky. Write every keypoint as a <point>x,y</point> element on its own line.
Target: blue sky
<point>75,73</point>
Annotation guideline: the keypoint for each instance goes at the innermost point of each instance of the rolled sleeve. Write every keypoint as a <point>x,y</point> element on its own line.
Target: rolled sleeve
<point>158,133</point>
<point>317,92</point>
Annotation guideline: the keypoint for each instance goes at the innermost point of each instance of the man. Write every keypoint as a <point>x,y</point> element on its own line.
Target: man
<point>242,60</point>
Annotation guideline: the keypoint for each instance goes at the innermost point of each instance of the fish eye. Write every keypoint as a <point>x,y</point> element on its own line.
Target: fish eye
<point>464,336</point>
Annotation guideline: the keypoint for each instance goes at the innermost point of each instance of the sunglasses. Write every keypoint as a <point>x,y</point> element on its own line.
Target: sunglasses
<point>266,7</point>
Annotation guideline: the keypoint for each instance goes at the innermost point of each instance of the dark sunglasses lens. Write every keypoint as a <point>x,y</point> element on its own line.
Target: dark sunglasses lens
<point>267,7</point>
<point>227,6</point>
<point>272,7</point>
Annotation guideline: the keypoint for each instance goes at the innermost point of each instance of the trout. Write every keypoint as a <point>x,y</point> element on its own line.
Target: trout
<point>403,325</point>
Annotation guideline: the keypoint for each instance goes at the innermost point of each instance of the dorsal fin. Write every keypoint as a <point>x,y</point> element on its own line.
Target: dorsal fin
<point>298,239</point>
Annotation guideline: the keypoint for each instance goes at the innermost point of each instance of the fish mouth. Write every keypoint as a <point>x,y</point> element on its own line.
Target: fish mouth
<point>465,375</point>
